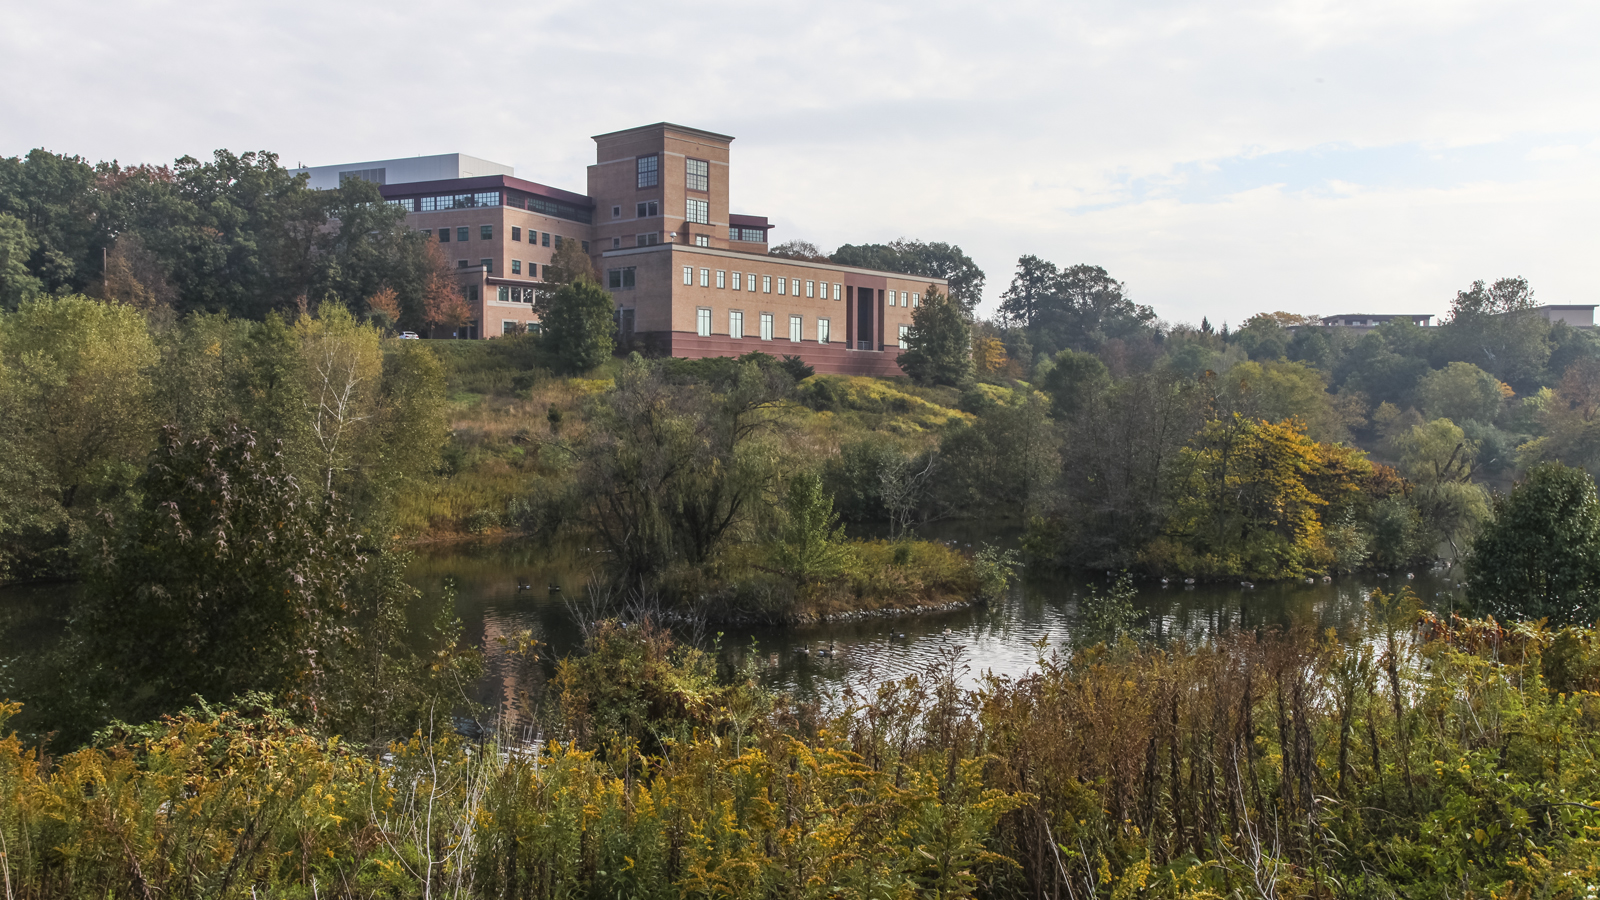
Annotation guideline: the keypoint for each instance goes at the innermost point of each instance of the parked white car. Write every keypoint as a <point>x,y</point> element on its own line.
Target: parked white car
<point>409,336</point>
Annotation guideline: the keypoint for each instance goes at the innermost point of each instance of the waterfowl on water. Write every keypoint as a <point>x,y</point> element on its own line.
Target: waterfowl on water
<point>523,584</point>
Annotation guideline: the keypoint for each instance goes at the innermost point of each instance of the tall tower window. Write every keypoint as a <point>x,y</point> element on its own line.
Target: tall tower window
<point>698,173</point>
<point>649,171</point>
<point>699,212</point>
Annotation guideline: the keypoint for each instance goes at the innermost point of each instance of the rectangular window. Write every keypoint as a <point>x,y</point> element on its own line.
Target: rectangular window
<point>766,284</point>
<point>823,287</point>
<point>509,327</point>
<point>648,208</point>
<point>737,280</point>
<point>647,240</point>
<point>444,235</point>
<point>699,212</point>
<point>688,275</point>
<point>616,242</point>
<point>428,232</point>
<point>485,232</point>
<point>697,175</point>
<point>472,293</point>
<point>822,331</point>
<point>905,298</point>
<point>488,265</point>
<point>766,326</point>
<point>516,267</point>
<point>461,264</point>
<point>722,278</point>
<point>558,242</point>
<point>586,246</point>
<point>838,292</point>
<point>905,331</point>
<point>619,279</point>
<point>503,294</point>
<point>649,170</point>
<point>795,327</point>
<point>750,281</point>
<point>546,241</point>
<point>516,233</point>
<point>811,288</point>
<point>736,324</point>
<point>461,234</point>
<point>702,321</point>
<point>705,278</point>
<point>783,284</point>
<point>702,240</point>
<point>616,212</point>
<point>916,300</point>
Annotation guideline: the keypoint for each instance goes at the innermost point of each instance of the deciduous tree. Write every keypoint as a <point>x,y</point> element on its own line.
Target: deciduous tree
<point>929,260</point>
<point>579,326</point>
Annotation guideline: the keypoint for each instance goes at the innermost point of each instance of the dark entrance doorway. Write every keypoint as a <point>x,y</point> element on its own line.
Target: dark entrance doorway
<point>866,319</point>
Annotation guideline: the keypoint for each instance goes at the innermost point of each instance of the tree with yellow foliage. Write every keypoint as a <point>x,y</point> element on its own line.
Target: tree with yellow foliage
<point>1253,500</point>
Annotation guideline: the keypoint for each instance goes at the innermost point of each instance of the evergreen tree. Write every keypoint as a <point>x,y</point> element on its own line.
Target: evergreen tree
<point>940,342</point>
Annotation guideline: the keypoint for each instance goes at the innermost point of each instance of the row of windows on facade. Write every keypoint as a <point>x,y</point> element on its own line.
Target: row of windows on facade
<point>516,267</point>
<point>486,233</point>
<point>509,294</point>
<point>697,212</point>
<point>650,239</point>
<point>746,281</point>
<point>623,278</point>
<point>696,173</point>
<point>823,331</point>
<point>482,199</point>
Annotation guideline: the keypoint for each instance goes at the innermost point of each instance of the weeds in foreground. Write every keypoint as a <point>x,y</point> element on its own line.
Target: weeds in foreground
<point>1454,760</point>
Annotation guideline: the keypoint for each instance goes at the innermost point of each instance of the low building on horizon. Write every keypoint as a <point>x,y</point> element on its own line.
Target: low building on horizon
<point>1578,315</point>
<point>1369,321</point>
<point>689,277</point>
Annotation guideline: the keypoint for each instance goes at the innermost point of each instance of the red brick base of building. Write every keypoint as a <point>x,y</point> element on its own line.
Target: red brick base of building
<point>827,359</point>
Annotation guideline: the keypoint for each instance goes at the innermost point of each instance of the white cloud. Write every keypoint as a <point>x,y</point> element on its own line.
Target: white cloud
<point>1147,137</point>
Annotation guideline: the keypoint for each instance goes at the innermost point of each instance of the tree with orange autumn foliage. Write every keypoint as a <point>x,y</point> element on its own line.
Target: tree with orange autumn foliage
<point>443,306</point>
<point>989,357</point>
<point>383,308</point>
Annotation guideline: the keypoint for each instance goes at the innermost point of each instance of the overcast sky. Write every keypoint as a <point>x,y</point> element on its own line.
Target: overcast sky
<point>1220,158</point>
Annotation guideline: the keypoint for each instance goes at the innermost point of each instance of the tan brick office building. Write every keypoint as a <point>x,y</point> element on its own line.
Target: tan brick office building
<point>689,277</point>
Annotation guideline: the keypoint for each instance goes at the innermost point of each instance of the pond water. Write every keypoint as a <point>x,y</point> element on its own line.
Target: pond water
<point>1003,638</point>
<point>501,589</point>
